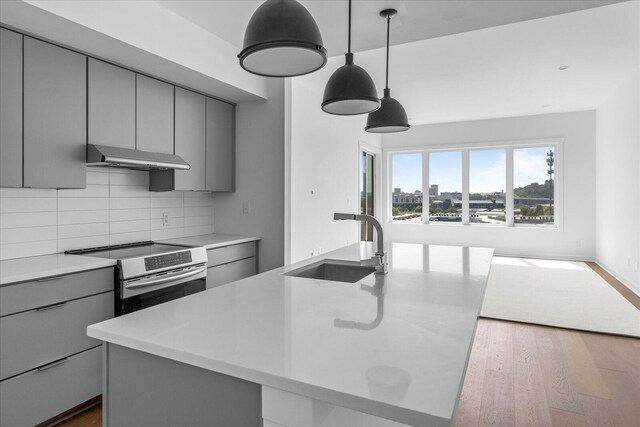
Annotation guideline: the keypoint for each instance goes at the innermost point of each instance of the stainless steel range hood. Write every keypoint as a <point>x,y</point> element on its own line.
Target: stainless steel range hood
<point>102,155</point>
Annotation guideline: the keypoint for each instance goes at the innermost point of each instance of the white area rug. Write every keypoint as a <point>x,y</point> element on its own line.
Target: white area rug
<point>567,294</point>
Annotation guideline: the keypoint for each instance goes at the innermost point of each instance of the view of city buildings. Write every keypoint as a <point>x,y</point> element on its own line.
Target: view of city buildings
<point>533,192</point>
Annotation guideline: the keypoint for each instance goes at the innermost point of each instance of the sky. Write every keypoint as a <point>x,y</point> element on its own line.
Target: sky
<point>487,169</point>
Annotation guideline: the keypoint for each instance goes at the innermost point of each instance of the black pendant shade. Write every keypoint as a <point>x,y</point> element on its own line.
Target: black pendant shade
<point>282,40</point>
<point>391,116</point>
<point>350,90</point>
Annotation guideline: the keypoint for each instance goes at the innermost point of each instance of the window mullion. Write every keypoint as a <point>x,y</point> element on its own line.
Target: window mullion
<point>509,215</point>
<point>465,186</point>
<point>425,187</point>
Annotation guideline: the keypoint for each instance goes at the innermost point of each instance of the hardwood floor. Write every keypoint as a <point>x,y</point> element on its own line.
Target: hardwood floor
<point>529,375</point>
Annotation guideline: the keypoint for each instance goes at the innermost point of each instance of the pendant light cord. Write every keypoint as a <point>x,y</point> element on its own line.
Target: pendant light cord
<point>349,43</point>
<point>386,83</point>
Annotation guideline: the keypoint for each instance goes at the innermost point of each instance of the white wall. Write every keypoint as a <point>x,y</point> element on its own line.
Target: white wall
<point>323,153</point>
<point>115,208</point>
<point>576,238</point>
<point>618,183</point>
<point>259,177</point>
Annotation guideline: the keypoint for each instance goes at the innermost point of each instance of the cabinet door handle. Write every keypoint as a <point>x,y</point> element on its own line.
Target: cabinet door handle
<point>49,307</point>
<point>52,364</point>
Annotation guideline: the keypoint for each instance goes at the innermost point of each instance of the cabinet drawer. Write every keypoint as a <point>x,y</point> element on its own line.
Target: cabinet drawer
<point>29,295</point>
<point>38,395</point>
<point>226,273</point>
<point>38,337</point>
<point>230,253</point>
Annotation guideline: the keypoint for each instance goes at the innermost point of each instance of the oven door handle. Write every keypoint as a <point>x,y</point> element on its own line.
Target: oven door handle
<point>154,282</point>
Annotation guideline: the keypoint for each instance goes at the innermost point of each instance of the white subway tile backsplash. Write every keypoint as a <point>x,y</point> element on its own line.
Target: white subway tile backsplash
<point>129,226</point>
<point>82,242</point>
<point>129,191</point>
<point>128,214</point>
<point>82,230</point>
<point>115,208</point>
<point>122,238</point>
<point>28,204</point>
<point>30,234</point>
<point>158,224</point>
<point>167,202</point>
<point>92,190</point>
<point>21,250</point>
<point>83,203</point>
<point>97,176</point>
<point>195,231</point>
<point>197,211</point>
<point>128,203</point>
<point>27,219</point>
<point>82,217</point>
<point>190,221</point>
<point>166,233</point>
<point>27,192</point>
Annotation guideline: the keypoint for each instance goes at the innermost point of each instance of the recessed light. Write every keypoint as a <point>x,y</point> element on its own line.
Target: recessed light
<point>546,106</point>
<point>563,67</point>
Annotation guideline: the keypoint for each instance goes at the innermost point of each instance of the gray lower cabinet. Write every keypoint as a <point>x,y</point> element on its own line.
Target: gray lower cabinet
<point>55,116</point>
<point>48,365</point>
<point>10,109</point>
<point>221,147</point>
<point>111,105</point>
<point>43,393</point>
<point>230,263</point>
<point>154,115</point>
<point>190,139</point>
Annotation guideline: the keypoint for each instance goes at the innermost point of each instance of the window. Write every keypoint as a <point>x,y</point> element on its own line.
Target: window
<point>487,184</point>
<point>406,196</point>
<point>445,186</point>
<point>502,184</point>
<point>367,192</point>
<point>533,185</point>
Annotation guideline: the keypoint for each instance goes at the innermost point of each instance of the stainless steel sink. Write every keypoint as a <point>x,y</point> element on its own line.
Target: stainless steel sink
<point>334,270</point>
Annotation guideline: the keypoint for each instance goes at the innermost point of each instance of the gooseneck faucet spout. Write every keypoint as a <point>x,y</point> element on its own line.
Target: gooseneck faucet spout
<point>380,258</point>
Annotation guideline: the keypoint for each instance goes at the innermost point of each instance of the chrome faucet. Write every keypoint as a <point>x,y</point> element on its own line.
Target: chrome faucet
<point>379,260</point>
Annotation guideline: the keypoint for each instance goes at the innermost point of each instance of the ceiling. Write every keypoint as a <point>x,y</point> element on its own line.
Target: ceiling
<point>416,20</point>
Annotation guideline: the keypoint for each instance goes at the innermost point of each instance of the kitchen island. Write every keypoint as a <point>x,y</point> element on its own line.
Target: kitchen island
<point>386,350</point>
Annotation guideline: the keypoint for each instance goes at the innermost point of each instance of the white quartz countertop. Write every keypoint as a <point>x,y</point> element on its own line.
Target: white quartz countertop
<point>399,354</point>
<point>210,241</point>
<point>37,267</point>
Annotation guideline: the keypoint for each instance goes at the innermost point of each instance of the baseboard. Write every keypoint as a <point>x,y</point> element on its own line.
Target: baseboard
<point>627,283</point>
<point>552,257</point>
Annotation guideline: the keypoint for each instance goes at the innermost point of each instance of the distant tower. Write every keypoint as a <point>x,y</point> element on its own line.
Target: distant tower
<point>550,161</point>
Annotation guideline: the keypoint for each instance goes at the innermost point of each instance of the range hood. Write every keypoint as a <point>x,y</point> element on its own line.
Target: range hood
<point>102,155</point>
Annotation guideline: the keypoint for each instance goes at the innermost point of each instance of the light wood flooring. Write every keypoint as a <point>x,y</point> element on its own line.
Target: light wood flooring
<point>529,375</point>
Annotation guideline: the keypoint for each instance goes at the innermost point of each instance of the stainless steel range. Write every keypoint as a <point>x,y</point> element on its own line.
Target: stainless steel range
<point>150,273</point>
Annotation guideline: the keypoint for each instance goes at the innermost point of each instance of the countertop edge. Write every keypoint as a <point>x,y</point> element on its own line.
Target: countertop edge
<point>335,397</point>
<point>232,240</point>
<point>80,264</point>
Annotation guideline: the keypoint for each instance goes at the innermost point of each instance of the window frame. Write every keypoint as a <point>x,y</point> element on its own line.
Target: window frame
<point>465,148</point>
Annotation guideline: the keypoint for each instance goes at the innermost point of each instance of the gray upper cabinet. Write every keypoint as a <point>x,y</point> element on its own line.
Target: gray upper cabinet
<point>221,148</point>
<point>190,123</point>
<point>154,115</point>
<point>55,113</point>
<point>111,105</point>
<point>10,109</point>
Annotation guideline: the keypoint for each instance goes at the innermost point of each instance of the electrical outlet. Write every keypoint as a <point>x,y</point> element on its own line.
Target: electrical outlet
<point>245,207</point>
<point>165,219</point>
<point>319,250</point>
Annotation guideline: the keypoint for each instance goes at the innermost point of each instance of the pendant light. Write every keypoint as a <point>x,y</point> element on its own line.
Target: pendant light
<point>350,90</point>
<point>282,40</point>
<point>391,116</point>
